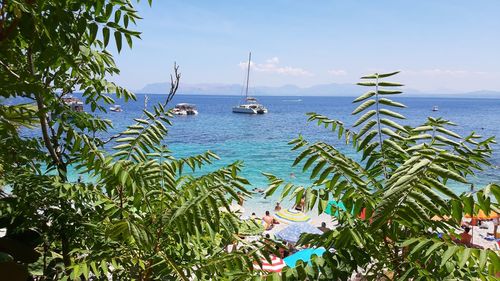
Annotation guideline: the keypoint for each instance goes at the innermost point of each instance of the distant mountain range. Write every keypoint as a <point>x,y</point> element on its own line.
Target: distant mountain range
<point>292,90</point>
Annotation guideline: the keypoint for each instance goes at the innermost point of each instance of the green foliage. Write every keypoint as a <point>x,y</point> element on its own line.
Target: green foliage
<point>142,215</point>
<point>400,183</point>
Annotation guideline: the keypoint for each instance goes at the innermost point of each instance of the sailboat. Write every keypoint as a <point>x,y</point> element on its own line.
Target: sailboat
<point>250,105</point>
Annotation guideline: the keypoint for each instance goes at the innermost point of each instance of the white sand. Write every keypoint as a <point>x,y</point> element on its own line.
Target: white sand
<point>478,233</point>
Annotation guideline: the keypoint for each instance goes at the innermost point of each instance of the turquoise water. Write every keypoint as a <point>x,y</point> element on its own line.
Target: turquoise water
<point>261,140</point>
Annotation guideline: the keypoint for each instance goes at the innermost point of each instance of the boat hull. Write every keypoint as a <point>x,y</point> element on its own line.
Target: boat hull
<point>238,109</point>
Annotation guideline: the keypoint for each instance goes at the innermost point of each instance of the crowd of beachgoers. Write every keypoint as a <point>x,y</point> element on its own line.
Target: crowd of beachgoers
<point>285,225</point>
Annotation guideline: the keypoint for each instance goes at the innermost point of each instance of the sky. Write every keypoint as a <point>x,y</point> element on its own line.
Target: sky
<point>438,45</point>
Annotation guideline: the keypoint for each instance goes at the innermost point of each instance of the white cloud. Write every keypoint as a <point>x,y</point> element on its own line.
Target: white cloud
<point>272,65</point>
<point>337,72</point>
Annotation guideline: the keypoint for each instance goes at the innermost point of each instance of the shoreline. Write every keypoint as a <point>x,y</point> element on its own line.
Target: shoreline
<point>259,208</point>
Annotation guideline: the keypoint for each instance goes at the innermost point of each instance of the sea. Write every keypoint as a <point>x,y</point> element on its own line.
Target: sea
<point>261,141</point>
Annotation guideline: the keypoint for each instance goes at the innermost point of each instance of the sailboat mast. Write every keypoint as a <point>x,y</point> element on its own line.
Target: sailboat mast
<point>248,73</point>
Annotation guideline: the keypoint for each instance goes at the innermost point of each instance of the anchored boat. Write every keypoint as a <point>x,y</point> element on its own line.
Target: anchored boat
<point>74,103</point>
<point>250,105</point>
<point>185,109</point>
<point>116,108</point>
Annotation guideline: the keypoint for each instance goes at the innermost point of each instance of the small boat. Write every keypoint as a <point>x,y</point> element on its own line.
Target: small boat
<point>116,108</point>
<point>185,109</point>
<point>435,108</point>
<point>74,103</point>
<point>251,106</point>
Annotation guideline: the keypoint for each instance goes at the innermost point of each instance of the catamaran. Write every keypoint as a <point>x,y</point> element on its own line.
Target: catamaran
<point>250,105</point>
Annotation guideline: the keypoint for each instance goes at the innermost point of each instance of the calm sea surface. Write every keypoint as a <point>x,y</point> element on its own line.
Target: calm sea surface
<point>261,140</point>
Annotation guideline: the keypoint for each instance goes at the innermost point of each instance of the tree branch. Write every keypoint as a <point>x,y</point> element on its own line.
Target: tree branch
<point>42,115</point>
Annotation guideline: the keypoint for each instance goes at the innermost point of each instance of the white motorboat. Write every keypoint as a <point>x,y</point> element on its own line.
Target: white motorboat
<point>435,108</point>
<point>185,109</point>
<point>116,108</point>
<point>250,105</point>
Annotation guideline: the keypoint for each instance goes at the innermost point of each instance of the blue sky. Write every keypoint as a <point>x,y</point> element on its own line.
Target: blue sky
<point>439,45</point>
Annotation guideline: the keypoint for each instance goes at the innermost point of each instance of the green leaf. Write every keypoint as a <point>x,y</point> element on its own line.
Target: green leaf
<point>446,174</point>
<point>380,75</point>
<point>418,246</point>
<point>366,127</point>
<point>433,247</point>
<point>440,187</point>
<point>310,161</point>
<point>366,84</point>
<point>391,113</point>
<point>389,92</point>
<point>456,210</point>
<point>365,117</point>
<point>389,84</point>
<point>85,270</point>
<point>465,256</point>
<point>389,102</point>
<point>448,254</point>
<point>446,140</point>
<point>105,35</point>
<point>118,40</point>
<point>371,76</point>
<point>367,139</point>
<point>448,132</point>
<point>365,96</point>
<point>385,75</point>
<point>93,31</point>
<point>483,256</point>
<point>394,146</point>
<point>391,133</point>
<point>393,124</point>
<point>318,168</point>
<point>363,106</point>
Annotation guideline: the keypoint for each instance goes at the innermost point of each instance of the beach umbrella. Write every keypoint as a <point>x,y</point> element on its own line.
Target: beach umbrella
<point>276,265</point>
<point>292,216</point>
<point>303,255</point>
<point>292,233</point>
<point>338,205</point>
<point>439,218</point>
<point>482,216</point>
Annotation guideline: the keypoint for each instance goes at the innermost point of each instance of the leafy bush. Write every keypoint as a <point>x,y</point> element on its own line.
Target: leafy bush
<point>393,193</point>
<point>143,216</point>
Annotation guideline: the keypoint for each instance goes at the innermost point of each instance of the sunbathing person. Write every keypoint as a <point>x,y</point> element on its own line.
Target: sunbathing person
<point>277,208</point>
<point>301,205</point>
<point>241,199</point>
<point>269,221</point>
<point>258,190</point>
<point>323,227</point>
<point>465,237</point>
